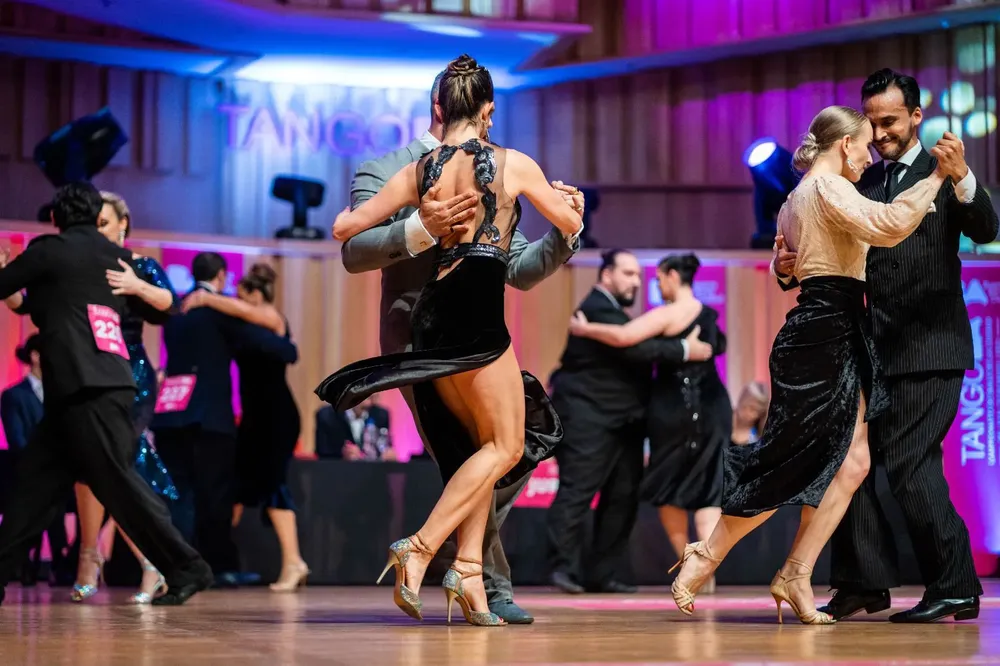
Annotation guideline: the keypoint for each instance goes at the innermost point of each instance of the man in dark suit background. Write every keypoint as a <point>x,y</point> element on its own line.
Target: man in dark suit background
<point>86,432</point>
<point>198,442</point>
<point>21,408</point>
<point>341,434</point>
<point>601,393</point>
<point>923,337</point>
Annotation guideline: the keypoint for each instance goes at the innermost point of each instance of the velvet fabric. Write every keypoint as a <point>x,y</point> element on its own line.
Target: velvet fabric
<point>822,359</point>
<point>458,325</point>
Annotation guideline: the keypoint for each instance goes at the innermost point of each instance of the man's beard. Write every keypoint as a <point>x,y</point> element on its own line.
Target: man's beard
<point>899,146</point>
<point>625,300</point>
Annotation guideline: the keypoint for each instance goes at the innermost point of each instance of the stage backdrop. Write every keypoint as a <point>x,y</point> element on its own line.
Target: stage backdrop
<point>333,317</point>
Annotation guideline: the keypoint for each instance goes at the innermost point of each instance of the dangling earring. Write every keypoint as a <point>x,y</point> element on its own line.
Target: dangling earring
<point>121,237</point>
<point>852,166</point>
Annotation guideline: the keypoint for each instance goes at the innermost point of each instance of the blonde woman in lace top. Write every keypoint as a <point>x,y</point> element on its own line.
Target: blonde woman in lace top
<point>825,383</point>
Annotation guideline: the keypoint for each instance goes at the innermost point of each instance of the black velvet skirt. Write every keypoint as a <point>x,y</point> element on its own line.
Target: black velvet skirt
<point>822,360</point>
<point>458,325</point>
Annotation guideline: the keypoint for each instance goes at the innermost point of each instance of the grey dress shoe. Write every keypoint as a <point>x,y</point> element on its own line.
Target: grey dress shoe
<point>511,612</point>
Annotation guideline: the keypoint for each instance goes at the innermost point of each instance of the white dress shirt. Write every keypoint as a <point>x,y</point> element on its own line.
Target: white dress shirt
<point>965,189</point>
<point>36,386</point>
<point>418,238</point>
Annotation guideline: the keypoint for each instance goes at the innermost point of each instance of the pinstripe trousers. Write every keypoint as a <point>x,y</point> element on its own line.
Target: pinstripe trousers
<point>907,439</point>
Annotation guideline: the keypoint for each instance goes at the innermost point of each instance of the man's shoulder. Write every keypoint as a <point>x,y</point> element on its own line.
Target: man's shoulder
<point>392,162</point>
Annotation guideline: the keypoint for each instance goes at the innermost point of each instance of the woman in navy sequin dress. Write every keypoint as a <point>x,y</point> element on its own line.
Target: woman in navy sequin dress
<point>269,427</point>
<point>150,299</point>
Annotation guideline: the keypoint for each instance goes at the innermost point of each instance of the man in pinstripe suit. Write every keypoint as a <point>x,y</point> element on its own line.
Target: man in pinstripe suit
<point>922,333</point>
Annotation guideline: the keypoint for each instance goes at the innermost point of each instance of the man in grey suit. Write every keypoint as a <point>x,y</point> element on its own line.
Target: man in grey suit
<point>399,248</point>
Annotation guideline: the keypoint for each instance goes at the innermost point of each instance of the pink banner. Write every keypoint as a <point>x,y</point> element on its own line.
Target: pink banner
<point>970,448</point>
<point>709,288</point>
<point>176,261</point>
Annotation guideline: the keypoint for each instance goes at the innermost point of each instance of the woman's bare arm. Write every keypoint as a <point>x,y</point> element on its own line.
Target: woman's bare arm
<point>648,325</point>
<point>398,193</point>
<point>266,316</point>
<point>522,175</point>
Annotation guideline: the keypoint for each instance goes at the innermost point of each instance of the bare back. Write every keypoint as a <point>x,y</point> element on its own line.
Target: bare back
<point>478,166</point>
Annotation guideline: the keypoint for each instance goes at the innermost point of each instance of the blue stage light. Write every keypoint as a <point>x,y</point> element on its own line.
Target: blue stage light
<point>773,179</point>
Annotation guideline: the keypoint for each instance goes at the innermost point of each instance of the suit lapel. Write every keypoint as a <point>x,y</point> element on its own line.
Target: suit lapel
<point>916,172</point>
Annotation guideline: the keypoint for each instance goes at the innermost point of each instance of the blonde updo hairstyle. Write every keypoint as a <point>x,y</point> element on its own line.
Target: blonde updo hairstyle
<point>828,127</point>
<point>117,202</point>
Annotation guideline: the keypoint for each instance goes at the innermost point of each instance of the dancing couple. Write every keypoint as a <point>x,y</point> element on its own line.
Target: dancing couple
<point>488,423</point>
<point>827,377</point>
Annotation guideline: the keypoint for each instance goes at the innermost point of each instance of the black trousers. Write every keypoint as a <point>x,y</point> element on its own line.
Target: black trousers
<point>907,439</point>
<point>90,438</point>
<point>203,467</point>
<point>594,458</point>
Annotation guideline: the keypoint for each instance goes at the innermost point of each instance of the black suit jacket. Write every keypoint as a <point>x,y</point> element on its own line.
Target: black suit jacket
<point>914,289</point>
<point>608,385</point>
<point>20,411</point>
<point>203,343</point>
<point>63,273</point>
<point>333,429</point>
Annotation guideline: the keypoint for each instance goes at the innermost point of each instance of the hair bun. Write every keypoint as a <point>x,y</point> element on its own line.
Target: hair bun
<point>263,273</point>
<point>463,65</point>
<point>691,261</point>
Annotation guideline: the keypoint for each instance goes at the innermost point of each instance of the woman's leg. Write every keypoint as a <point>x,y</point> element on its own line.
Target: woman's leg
<point>705,520</point>
<point>675,524</point>
<point>818,525</point>
<point>490,403</point>
<point>293,567</point>
<point>151,578</point>
<point>91,514</point>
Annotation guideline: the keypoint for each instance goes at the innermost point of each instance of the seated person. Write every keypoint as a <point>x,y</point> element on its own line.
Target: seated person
<point>342,434</point>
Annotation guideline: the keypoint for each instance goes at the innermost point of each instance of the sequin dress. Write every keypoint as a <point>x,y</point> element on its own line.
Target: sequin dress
<point>147,462</point>
<point>824,357</point>
<point>458,322</point>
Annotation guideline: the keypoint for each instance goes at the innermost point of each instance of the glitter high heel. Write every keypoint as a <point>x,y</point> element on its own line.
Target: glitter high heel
<point>452,585</point>
<point>141,598</point>
<point>83,592</point>
<point>399,553</point>
<point>779,590</point>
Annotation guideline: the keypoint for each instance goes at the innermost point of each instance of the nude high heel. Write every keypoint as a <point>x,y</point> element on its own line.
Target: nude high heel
<point>452,585</point>
<point>779,590</point>
<point>293,576</point>
<point>683,596</point>
<point>399,553</point>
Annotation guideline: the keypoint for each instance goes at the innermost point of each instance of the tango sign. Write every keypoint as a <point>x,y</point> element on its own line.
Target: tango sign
<point>342,132</point>
<point>970,448</point>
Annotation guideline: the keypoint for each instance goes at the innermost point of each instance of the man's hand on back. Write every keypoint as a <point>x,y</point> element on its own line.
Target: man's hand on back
<point>451,216</point>
<point>698,350</point>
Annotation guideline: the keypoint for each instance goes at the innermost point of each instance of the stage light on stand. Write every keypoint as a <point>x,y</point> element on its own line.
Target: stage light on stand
<point>773,179</point>
<point>303,194</point>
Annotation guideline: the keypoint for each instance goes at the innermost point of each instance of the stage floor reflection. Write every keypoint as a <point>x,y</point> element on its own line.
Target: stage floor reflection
<point>360,626</point>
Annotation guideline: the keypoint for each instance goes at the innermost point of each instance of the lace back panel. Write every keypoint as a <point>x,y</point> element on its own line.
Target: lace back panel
<point>474,165</point>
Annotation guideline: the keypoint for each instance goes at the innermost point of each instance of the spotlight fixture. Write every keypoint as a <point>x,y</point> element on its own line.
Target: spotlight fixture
<point>80,150</point>
<point>773,180</point>
<point>303,194</point>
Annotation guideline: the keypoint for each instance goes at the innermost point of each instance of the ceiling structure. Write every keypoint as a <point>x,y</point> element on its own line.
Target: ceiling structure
<point>270,40</point>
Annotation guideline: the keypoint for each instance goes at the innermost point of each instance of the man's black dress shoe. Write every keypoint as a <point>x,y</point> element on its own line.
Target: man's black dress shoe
<point>846,603</point>
<point>613,587</point>
<point>932,610</point>
<point>565,583</point>
<point>177,596</point>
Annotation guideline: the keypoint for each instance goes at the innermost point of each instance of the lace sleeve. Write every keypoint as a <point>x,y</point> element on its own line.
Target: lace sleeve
<point>874,222</point>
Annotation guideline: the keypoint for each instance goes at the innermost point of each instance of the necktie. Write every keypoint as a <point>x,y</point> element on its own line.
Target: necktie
<point>892,171</point>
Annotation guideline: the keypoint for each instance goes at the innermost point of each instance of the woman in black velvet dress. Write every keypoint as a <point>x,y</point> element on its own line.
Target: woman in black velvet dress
<point>689,415</point>
<point>474,403</point>
<point>269,427</point>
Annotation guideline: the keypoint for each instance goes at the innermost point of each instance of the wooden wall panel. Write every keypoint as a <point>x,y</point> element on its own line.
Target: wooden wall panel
<point>664,148</point>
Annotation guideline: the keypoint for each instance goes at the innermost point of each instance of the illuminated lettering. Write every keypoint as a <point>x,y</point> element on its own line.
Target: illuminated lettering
<point>344,132</point>
<point>971,413</point>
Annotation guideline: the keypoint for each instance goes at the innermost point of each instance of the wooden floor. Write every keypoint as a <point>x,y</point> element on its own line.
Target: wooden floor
<point>361,626</point>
